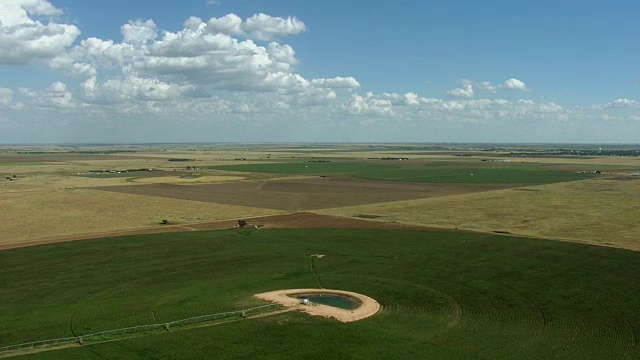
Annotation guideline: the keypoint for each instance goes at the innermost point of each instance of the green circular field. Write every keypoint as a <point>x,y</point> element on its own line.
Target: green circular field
<point>446,295</point>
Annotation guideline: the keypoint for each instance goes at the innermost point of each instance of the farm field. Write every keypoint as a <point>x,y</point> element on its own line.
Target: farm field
<point>412,226</point>
<point>56,191</point>
<point>604,211</point>
<point>446,295</point>
<point>298,194</point>
<point>38,215</point>
<point>283,221</point>
<point>449,172</point>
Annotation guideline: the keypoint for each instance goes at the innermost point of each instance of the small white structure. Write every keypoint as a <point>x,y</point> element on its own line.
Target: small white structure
<point>306,301</point>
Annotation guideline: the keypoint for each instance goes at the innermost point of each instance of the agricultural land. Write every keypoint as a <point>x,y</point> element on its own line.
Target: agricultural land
<point>472,251</point>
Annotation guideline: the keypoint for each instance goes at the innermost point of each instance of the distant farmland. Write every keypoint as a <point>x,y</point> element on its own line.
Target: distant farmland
<point>451,172</point>
<point>446,295</point>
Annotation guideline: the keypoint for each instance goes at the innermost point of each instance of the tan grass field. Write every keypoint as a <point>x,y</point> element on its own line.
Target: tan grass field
<point>605,212</point>
<point>58,181</point>
<point>49,213</point>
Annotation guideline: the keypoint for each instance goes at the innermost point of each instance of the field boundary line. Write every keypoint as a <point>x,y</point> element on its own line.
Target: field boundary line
<point>320,212</point>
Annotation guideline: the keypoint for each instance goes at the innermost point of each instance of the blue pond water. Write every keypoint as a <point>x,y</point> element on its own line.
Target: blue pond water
<point>342,302</point>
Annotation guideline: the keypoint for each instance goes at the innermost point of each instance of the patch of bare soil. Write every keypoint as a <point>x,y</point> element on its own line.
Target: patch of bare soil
<point>299,194</point>
<point>368,306</point>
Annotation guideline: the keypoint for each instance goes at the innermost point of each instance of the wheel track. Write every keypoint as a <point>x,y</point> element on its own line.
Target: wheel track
<point>71,326</point>
<point>542,318</point>
<point>598,331</point>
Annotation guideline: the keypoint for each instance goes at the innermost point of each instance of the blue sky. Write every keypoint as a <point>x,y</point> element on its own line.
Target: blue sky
<point>295,71</point>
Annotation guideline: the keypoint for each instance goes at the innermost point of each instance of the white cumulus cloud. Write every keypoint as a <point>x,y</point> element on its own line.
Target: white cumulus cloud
<point>337,82</point>
<point>468,87</point>
<point>486,85</point>
<point>57,95</point>
<point>133,88</point>
<point>139,32</point>
<point>411,99</point>
<point>622,103</point>
<point>466,91</point>
<point>369,104</point>
<point>261,27</point>
<point>197,61</point>
<point>266,27</point>
<point>514,84</point>
<point>18,12</point>
<point>24,39</point>
<point>230,24</point>
<point>6,96</point>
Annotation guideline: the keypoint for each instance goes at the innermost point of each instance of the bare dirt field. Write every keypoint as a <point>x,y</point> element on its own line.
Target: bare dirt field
<point>368,306</point>
<point>300,194</point>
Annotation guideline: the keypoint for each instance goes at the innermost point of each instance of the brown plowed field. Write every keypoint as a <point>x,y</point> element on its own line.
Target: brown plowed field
<point>294,220</point>
<point>300,194</point>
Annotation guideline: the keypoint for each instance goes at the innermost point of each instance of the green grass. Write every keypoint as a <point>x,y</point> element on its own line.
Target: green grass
<point>445,295</point>
<point>461,172</point>
<point>477,175</point>
<point>334,167</point>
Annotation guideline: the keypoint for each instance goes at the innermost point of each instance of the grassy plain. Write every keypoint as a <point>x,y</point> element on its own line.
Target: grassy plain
<point>44,214</point>
<point>44,192</point>
<point>446,295</point>
<point>599,211</point>
<point>47,193</point>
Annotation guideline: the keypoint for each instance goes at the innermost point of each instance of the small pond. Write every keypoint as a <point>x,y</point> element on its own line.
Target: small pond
<point>335,300</point>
